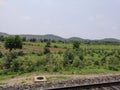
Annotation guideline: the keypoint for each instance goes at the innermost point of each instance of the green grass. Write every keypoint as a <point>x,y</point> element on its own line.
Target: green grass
<point>69,45</point>
<point>3,77</point>
<point>57,78</point>
<point>101,46</point>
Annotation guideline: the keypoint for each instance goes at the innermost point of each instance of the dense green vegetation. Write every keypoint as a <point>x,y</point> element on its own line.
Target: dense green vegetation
<point>71,61</point>
<point>70,58</point>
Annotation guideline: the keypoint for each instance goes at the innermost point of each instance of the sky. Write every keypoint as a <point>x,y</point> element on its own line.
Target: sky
<point>88,19</point>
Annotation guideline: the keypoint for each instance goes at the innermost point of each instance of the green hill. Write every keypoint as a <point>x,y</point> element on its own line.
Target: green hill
<point>3,34</point>
<point>58,38</point>
<point>75,39</point>
<point>47,36</point>
<point>110,40</point>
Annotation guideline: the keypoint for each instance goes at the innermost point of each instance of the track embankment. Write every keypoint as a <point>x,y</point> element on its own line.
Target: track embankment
<point>95,83</point>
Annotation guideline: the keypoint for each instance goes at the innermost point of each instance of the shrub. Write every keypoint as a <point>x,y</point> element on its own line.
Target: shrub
<point>39,53</point>
<point>20,53</point>
<point>48,44</point>
<point>60,52</point>
<point>15,65</point>
<point>113,63</point>
<point>55,46</point>
<point>9,58</point>
<point>1,55</point>
<point>77,62</point>
<point>68,57</point>
<point>22,65</point>
<point>76,45</point>
<point>46,50</point>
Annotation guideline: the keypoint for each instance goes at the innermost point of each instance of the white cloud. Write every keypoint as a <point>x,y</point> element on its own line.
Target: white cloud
<point>27,17</point>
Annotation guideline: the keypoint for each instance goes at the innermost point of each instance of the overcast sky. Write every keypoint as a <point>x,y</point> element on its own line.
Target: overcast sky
<point>89,19</point>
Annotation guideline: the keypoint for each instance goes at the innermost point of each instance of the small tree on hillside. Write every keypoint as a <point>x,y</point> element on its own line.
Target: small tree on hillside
<point>48,44</point>
<point>2,38</point>
<point>46,50</point>
<point>76,45</point>
<point>24,39</point>
<point>13,42</point>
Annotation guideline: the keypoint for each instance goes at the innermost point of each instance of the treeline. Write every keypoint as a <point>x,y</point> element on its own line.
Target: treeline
<point>88,42</point>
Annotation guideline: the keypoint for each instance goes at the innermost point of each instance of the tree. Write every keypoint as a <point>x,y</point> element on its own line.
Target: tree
<point>33,40</point>
<point>48,44</point>
<point>76,45</point>
<point>24,39</point>
<point>13,42</point>
<point>68,57</point>
<point>1,38</point>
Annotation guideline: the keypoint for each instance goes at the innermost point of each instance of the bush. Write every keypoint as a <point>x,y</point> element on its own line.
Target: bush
<point>39,53</point>
<point>4,72</point>
<point>48,43</point>
<point>113,68</point>
<point>20,53</point>
<point>22,65</point>
<point>113,63</point>
<point>9,58</point>
<point>46,50</point>
<point>55,46</point>
<point>76,62</point>
<point>68,57</point>
<point>1,55</point>
<point>76,45</point>
<point>60,52</point>
<point>15,65</point>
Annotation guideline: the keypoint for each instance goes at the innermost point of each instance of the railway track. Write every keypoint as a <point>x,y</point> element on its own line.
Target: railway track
<point>100,86</point>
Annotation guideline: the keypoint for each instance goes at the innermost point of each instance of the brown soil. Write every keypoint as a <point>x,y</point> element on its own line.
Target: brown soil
<point>29,48</point>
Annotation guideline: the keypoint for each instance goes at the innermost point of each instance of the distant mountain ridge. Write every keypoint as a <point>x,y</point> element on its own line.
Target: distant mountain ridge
<point>58,38</point>
<point>47,36</point>
<point>3,34</point>
<point>76,39</point>
<point>110,39</point>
